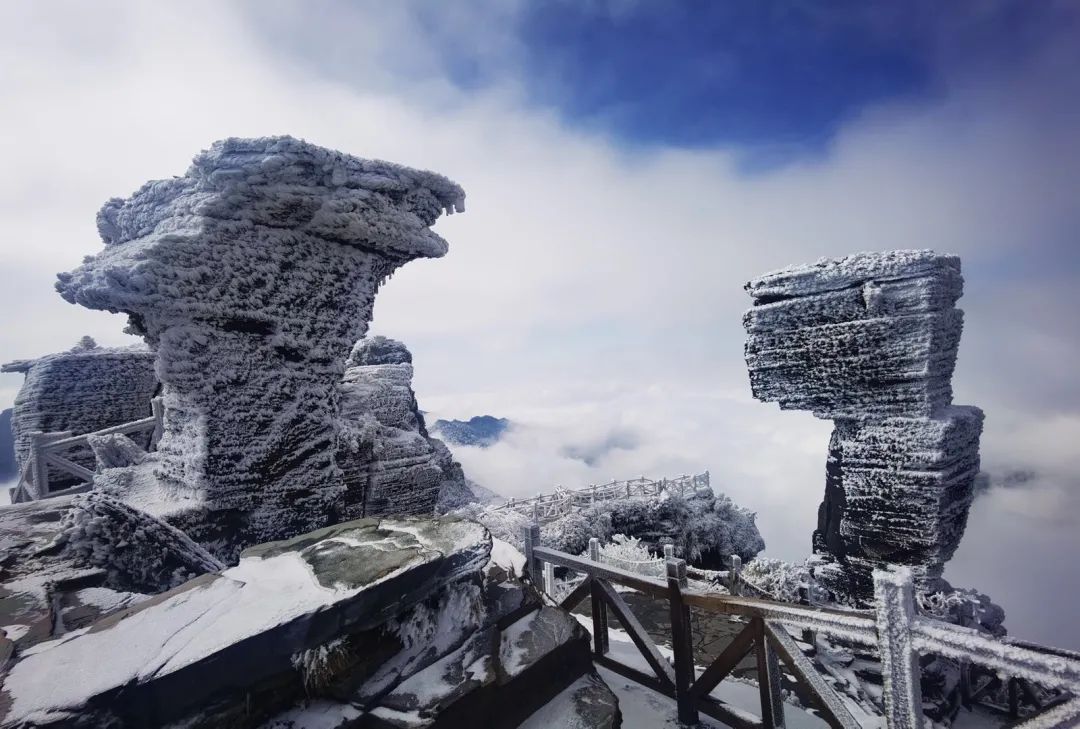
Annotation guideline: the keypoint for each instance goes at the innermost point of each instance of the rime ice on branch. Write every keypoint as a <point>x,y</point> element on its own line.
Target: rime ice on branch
<point>251,277</point>
<point>870,342</point>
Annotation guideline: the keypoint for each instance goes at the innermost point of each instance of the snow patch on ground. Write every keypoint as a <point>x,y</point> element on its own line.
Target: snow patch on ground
<point>646,709</point>
<point>504,555</point>
<point>315,715</point>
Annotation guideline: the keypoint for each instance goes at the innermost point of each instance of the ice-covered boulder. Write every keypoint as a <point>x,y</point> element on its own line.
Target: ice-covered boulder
<point>251,276</point>
<point>84,389</point>
<point>870,342</point>
<point>378,350</point>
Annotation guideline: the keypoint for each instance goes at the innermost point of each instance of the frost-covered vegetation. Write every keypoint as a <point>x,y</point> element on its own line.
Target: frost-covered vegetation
<point>786,581</point>
<point>704,528</point>
<point>631,554</point>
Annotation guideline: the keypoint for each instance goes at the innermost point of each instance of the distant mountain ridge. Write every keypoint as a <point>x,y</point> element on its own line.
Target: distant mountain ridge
<point>481,430</point>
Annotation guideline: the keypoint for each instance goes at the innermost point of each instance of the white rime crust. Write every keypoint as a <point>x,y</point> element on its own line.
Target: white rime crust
<point>870,341</point>
<point>251,277</point>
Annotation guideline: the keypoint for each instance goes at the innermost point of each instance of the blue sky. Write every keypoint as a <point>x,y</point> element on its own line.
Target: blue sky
<point>777,79</point>
<point>773,81</point>
<point>628,167</point>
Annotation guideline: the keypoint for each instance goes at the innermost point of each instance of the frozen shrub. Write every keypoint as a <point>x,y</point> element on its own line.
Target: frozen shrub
<point>786,581</point>
<point>631,554</point>
<point>572,532</point>
<point>705,528</point>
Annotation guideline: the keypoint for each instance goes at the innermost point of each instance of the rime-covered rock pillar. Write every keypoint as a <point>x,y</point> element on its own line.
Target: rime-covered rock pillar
<point>251,277</point>
<point>869,341</point>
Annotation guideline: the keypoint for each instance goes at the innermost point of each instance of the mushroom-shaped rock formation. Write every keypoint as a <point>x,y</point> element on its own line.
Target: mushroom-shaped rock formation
<point>870,342</point>
<point>251,277</point>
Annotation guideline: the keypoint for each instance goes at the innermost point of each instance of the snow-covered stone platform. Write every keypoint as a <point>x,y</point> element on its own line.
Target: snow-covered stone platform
<point>376,622</point>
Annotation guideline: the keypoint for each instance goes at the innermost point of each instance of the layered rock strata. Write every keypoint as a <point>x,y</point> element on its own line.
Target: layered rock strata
<point>84,389</point>
<point>8,467</point>
<point>870,341</point>
<point>370,623</point>
<point>389,462</point>
<point>251,276</point>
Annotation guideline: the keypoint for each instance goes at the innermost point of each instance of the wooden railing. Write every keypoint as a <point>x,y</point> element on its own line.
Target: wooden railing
<point>544,508</point>
<point>895,629</point>
<point>49,451</point>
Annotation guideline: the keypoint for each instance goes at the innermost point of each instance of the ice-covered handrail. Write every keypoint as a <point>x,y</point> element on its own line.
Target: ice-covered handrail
<point>895,628</point>
<point>544,508</point>
<point>45,453</point>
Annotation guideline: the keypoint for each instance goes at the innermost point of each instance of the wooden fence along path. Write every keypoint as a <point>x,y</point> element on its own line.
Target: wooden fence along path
<point>544,508</point>
<point>49,451</point>
<point>895,629</point>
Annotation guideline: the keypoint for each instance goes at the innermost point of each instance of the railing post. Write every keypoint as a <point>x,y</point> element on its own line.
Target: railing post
<point>536,510</point>
<point>669,551</point>
<point>549,578</point>
<point>682,640</point>
<point>599,607</point>
<point>157,406</point>
<point>895,599</point>
<point>768,668</point>
<point>735,575</point>
<point>965,684</point>
<point>532,540</point>
<point>41,467</point>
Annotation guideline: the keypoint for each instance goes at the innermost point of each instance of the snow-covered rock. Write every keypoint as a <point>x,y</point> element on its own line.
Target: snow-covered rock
<point>115,450</point>
<point>290,617</point>
<point>84,389</point>
<point>870,341</point>
<point>389,462</point>
<point>399,622</point>
<point>251,276</point>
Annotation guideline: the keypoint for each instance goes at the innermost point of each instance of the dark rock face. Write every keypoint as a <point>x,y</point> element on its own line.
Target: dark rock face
<point>481,430</point>
<point>82,390</point>
<point>251,276</point>
<point>587,703</point>
<point>870,341</point>
<point>115,450</point>
<point>8,468</point>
